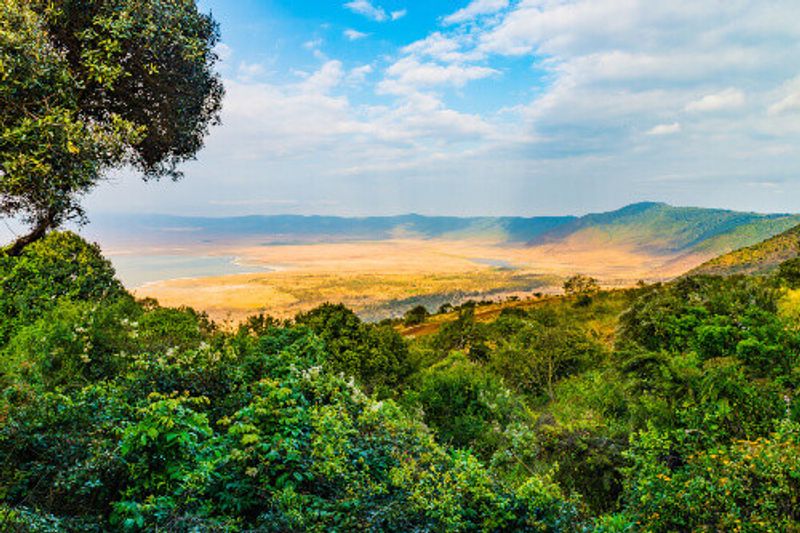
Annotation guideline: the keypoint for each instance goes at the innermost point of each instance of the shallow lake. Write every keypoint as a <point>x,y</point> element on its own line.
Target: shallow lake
<point>136,270</point>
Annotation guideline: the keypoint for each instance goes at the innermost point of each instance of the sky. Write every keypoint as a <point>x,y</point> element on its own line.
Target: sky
<point>493,107</point>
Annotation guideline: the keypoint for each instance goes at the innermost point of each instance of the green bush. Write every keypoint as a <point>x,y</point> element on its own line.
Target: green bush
<point>467,406</point>
<point>376,356</point>
<point>415,316</point>
<point>60,266</point>
<point>749,485</point>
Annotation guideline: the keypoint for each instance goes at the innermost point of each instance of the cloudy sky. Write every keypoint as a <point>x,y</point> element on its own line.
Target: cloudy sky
<point>526,107</point>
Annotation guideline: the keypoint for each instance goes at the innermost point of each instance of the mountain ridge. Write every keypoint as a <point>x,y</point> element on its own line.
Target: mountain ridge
<point>652,227</point>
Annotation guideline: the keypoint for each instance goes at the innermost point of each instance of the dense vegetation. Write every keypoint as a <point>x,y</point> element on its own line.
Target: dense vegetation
<point>662,408</point>
<point>761,258</point>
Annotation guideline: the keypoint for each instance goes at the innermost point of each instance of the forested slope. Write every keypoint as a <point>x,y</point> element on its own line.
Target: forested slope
<point>760,258</point>
<point>661,408</point>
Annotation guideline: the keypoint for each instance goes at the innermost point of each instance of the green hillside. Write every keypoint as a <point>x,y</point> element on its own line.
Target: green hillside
<point>759,258</point>
<point>661,228</point>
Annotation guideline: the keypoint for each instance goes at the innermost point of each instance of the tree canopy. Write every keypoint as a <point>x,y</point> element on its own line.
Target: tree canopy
<point>88,86</point>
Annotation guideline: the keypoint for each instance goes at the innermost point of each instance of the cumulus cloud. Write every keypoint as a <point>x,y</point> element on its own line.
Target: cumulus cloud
<point>354,35</point>
<point>397,15</point>
<point>444,48</point>
<point>359,74</point>
<point>788,98</point>
<point>665,129</point>
<point>366,8</point>
<point>787,104</point>
<point>475,9</point>
<point>411,73</point>
<point>728,99</point>
<point>611,65</point>
<point>248,71</point>
<point>582,90</point>
<point>607,75</point>
<point>223,51</point>
<point>324,79</point>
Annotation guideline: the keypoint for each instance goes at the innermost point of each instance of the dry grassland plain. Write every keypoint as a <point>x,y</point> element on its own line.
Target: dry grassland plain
<point>384,278</point>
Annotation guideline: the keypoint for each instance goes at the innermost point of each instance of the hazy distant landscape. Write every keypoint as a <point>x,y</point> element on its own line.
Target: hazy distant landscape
<point>380,266</point>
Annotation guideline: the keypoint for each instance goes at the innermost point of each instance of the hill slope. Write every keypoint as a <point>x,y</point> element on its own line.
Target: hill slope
<point>652,228</point>
<point>759,258</point>
<point>658,228</point>
<point>283,229</point>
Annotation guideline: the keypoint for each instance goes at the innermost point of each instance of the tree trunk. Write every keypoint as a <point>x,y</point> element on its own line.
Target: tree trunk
<point>38,231</point>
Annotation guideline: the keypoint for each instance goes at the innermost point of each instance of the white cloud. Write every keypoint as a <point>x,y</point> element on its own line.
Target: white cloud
<point>730,98</point>
<point>788,98</point>
<point>605,66</point>
<point>474,9</point>
<point>366,8</point>
<point>449,49</point>
<point>325,79</point>
<point>314,46</point>
<point>354,35</point>
<point>359,74</point>
<point>397,15</point>
<point>665,129</point>
<point>607,78</point>
<point>408,73</point>
<point>249,71</point>
<point>787,104</point>
<point>310,121</point>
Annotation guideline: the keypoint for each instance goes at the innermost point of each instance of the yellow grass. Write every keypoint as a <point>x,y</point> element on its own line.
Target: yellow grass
<point>368,274</point>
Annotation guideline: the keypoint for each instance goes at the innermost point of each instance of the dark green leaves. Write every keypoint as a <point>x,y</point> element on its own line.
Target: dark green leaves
<point>86,87</point>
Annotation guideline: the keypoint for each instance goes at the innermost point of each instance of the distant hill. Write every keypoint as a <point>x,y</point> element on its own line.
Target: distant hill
<point>759,258</point>
<point>652,228</point>
<point>659,228</point>
<point>289,229</point>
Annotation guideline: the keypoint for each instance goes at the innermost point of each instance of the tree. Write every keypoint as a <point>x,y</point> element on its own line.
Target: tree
<point>581,285</point>
<point>88,86</point>
<point>536,355</point>
<point>789,272</point>
<point>415,316</point>
<point>375,355</point>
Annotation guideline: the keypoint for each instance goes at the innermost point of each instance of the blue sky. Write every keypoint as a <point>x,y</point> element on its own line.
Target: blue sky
<point>487,107</point>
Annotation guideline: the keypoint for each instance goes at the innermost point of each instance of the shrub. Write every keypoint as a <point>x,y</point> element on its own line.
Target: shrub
<point>60,266</point>
<point>747,485</point>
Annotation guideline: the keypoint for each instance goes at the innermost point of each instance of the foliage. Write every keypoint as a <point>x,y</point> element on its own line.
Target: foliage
<point>270,440</point>
<point>415,316</point>
<point>760,258</point>
<point>537,353</point>
<point>62,266</point>
<point>463,334</point>
<point>466,405</point>
<point>580,285</point>
<point>123,415</point>
<point>88,86</point>
<point>789,272</point>
<point>748,485</point>
<point>375,355</point>
<point>715,318</point>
